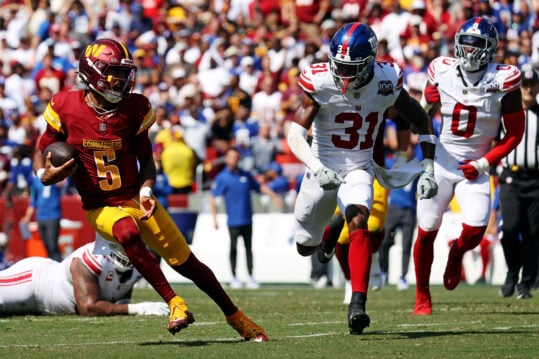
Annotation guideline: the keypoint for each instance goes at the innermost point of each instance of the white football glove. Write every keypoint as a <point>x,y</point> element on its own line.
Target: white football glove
<point>148,308</point>
<point>328,179</point>
<point>426,185</point>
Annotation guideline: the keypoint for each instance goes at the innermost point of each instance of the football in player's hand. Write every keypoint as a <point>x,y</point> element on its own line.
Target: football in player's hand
<point>61,153</point>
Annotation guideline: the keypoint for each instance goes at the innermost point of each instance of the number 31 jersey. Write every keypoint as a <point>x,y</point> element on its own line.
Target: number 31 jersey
<point>471,113</point>
<point>346,125</point>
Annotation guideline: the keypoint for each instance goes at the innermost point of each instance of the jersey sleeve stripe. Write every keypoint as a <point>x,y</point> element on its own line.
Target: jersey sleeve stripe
<point>19,278</point>
<point>431,72</point>
<point>306,83</point>
<point>149,119</point>
<point>400,82</point>
<point>512,82</point>
<point>52,118</point>
<point>90,262</point>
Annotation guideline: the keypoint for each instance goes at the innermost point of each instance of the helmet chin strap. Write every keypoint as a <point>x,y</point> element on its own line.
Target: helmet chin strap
<point>345,85</point>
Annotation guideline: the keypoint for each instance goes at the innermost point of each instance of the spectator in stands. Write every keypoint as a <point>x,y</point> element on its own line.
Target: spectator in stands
<point>249,75</point>
<point>264,146</point>
<point>267,102</point>
<point>50,76</point>
<point>310,15</point>
<point>179,161</point>
<point>234,96</point>
<point>7,104</point>
<point>274,179</point>
<point>20,172</point>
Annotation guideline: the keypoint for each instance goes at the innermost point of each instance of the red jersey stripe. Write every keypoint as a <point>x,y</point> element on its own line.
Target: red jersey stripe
<point>15,279</point>
<point>306,83</point>
<point>400,82</point>
<point>92,264</point>
<point>512,81</point>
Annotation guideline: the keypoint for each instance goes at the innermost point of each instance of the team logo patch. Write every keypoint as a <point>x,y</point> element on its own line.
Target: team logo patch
<point>385,88</point>
<point>493,87</point>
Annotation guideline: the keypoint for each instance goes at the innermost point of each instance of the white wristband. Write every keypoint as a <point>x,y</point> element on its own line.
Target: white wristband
<point>39,173</point>
<point>315,165</point>
<point>481,165</point>
<point>145,192</point>
<point>427,138</point>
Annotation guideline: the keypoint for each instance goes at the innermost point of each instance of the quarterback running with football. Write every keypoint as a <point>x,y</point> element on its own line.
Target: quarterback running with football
<point>83,283</point>
<point>114,175</point>
<point>476,97</point>
<point>345,100</point>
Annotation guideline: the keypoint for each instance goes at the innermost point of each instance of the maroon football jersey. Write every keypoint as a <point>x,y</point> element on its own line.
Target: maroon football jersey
<point>106,147</point>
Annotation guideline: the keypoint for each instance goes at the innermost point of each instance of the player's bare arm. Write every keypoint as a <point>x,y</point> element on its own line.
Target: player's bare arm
<point>307,111</point>
<point>87,293</point>
<point>410,110</point>
<point>512,102</point>
<point>147,175</point>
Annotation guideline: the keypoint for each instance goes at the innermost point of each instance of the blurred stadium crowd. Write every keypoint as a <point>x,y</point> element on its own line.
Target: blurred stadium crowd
<point>219,73</point>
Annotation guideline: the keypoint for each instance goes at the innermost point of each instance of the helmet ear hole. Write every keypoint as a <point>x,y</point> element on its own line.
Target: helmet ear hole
<point>120,261</point>
<point>82,79</point>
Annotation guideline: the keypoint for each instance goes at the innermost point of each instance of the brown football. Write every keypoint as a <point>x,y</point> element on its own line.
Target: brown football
<point>61,153</point>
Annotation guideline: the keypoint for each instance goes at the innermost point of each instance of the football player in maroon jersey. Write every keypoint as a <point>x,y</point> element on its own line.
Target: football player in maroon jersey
<point>114,175</point>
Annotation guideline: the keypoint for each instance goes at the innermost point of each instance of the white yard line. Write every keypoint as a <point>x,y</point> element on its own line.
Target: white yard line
<point>236,339</point>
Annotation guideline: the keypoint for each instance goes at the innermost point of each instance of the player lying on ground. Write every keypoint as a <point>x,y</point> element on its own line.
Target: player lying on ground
<point>83,283</point>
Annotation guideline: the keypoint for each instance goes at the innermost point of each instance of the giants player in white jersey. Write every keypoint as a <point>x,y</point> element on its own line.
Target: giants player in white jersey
<point>476,97</point>
<point>83,283</point>
<point>345,101</point>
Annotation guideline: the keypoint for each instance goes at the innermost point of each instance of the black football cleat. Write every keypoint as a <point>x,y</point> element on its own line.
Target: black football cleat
<point>508,288</point>
<point>357,318</point>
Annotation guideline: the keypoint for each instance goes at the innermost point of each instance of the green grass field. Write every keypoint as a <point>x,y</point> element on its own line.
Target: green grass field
<point>470,322</point>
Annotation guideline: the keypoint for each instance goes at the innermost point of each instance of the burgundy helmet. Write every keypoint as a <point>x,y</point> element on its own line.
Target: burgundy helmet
<point>106,67</point>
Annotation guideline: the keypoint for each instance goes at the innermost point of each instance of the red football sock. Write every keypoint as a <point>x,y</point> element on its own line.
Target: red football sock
<point>470,237</point>
<point>484,247</point>
<point>205,279</point>
<point>359,259</point>
<point>341,253</point>
<point>423,257</point>
<point>126,233</point>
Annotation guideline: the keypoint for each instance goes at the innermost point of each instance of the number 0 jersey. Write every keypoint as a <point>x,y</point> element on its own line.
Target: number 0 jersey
<point>346,125</point>
<point>106,147</point>
<point>471,113</point>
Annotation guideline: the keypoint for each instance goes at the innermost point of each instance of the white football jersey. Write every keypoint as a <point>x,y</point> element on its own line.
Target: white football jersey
<point>54,284</point>
<point>471,113</point>
<point>347,124</point>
